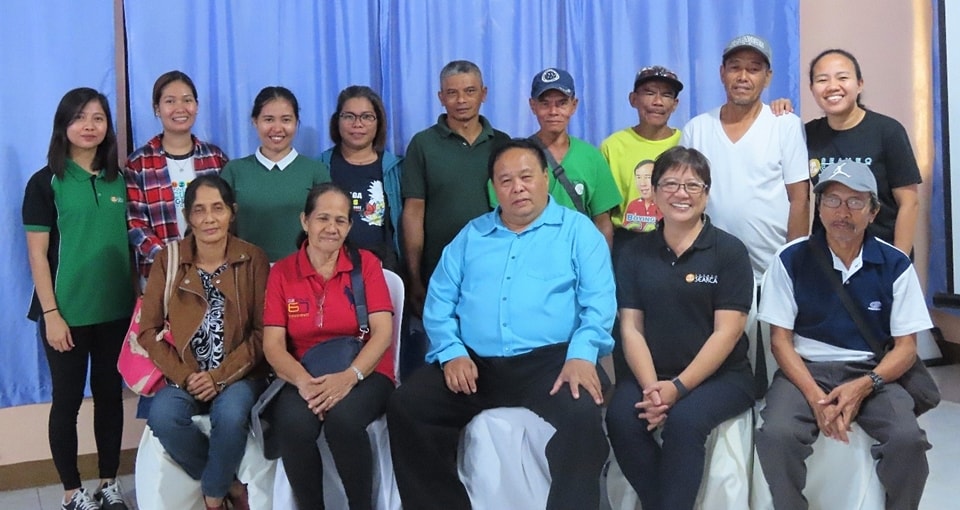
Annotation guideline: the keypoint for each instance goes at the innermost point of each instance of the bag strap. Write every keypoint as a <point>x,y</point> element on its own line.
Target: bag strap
<point>818,253</point>
<point>359,294</point>
<point>561,175</point>
<point>173,264</point>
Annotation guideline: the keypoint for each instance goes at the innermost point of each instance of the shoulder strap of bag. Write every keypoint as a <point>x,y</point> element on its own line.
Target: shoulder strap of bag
<point>818,253</point>
<point>561,175</point>
<point>359,294</point>
<point>173,264</point>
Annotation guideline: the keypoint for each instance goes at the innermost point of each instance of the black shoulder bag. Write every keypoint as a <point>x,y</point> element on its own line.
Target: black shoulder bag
<point>917,379</point>
<point>331,356</point>
<point>561,175</point>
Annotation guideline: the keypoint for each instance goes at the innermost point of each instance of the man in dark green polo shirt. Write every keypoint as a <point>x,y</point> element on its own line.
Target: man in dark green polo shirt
<point>445,175</point>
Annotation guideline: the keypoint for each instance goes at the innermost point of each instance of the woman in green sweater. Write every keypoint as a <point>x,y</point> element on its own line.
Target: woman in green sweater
<point>272,183</point>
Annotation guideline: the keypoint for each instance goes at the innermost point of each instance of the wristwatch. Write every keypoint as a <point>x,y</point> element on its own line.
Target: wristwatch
<point>876,380</point>
<point>358,372</point>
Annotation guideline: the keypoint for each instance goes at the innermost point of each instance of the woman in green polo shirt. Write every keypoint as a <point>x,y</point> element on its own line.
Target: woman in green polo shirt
<point>75,217</point>
<point>272,183</point>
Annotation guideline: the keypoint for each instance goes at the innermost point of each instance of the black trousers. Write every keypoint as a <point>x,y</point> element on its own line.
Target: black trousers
<point>346,431</point>
<point>99,345</point>
<point>425,420</point>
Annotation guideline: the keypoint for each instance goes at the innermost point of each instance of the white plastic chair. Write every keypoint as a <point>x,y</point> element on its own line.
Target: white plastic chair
<point>501,459</point>
<point>387,497</point>
<point>162,485</point>
<point>726,476</point>
<point>838,475</point>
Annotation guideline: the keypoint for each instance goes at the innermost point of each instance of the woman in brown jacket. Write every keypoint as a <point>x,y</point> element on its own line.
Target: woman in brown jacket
<point>216,320</point>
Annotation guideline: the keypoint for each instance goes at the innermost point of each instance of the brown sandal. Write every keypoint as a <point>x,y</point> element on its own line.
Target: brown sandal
<point>237,496</point>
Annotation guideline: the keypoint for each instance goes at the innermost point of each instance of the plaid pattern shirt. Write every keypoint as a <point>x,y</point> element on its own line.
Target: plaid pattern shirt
<point>151,213</point>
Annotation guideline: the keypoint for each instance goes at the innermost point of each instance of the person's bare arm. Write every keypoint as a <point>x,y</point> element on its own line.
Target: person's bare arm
<point>798,221</point>
<point>57,331</point>
<point>908,204</point>
<point>412,219</point>
<point>605,226</point>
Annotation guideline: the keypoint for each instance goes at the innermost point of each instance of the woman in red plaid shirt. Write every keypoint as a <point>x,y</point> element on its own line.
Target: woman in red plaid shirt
<point>158,173</point>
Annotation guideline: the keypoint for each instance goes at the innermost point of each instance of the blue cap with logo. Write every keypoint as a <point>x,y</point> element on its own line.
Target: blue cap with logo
<point>852,174</point>
<point>552,78</point>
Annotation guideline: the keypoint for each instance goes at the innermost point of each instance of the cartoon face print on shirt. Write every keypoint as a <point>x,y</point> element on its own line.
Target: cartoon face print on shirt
<point>642,214</point>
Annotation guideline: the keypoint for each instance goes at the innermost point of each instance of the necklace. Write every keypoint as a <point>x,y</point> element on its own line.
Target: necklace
<point>180,164</point>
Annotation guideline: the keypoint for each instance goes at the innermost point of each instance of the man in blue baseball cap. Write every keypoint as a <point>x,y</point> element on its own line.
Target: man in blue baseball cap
<point>580,177</point>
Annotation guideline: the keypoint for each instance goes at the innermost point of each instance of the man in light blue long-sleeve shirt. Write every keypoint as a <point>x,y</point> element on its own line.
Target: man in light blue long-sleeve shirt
<point>520,305</point>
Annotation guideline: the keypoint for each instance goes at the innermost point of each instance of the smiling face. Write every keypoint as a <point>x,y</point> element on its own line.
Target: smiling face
<point>843,224</point>
<point>177,108</point>
<point>553,110</point>
<point>680,206</point>
<point>276,126</point>
<point>88,128</point>
<point>358,133</point>
<point>642,175</point>
<point>835,85</point>
<point>209,216</point>
<point>745,74</point>
<point>461,95</point>
<point>328,223</point>
<point>521,185</point>
<point>655,101</point>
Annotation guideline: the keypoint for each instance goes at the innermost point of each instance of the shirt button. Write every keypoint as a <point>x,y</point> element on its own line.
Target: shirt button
<point>218,282</point>
<point>504,299</point>
<point>186,282</point>
<point>508,277</point>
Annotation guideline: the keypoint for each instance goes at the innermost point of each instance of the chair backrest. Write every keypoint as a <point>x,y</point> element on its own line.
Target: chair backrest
<point>395,285</point>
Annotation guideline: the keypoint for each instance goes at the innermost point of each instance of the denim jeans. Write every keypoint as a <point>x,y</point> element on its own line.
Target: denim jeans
<point>214,460</point>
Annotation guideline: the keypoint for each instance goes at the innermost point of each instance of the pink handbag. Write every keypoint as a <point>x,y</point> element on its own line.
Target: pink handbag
<point>135,366</point>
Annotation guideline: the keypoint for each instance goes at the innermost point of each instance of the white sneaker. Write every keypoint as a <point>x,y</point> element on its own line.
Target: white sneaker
<point>80,501</point>
<point>110,496</point>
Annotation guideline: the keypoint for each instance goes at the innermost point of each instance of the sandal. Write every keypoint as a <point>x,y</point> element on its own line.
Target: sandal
<point>237,496</point>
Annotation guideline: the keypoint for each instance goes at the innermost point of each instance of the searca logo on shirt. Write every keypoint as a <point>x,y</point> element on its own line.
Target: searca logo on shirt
<point>701,278</point>
<point>117,200</point>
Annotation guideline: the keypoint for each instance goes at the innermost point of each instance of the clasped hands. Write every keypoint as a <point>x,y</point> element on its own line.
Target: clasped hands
<point>201,386</point>
<point>323,392</point>
<point>836,411</point>
<point>658,398</point>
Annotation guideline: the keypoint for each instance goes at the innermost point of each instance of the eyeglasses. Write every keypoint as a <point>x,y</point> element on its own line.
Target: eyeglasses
<point>656,72</point>
<point>853,203</point>
<point>350,118</point>
<point>692,188</point>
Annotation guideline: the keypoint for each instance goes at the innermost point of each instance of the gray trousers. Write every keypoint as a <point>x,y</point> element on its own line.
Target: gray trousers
<point>790,428</point>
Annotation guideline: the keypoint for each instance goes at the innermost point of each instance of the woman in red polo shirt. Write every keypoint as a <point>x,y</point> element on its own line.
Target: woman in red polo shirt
<point>309,301</point>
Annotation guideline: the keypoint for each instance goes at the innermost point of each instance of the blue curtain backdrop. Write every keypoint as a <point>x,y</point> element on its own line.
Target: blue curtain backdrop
<point>233,49</point>
<point>316,48</point>
<point>46,52</point>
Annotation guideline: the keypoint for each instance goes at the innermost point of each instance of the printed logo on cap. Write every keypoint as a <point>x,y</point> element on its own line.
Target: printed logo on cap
<point>549,76</point>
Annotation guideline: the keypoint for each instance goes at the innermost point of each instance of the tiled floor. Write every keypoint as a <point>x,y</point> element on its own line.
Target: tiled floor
<point>941,424</point>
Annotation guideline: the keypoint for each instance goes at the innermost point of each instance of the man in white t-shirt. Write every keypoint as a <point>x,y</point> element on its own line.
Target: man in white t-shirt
<point>760,191</point>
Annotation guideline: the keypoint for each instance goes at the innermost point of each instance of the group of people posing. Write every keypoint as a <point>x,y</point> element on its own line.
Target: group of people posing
<point>519,255</point>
